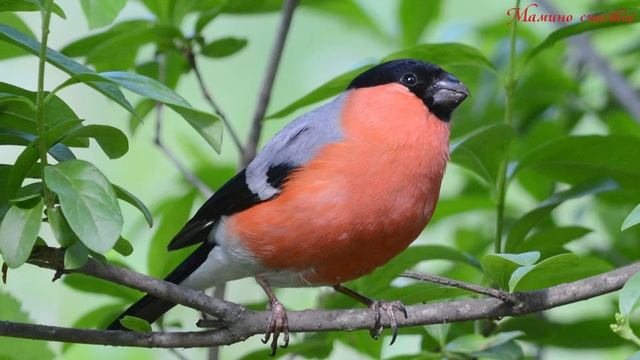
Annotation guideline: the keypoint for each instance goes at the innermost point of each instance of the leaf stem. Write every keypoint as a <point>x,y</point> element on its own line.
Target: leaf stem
<point>509,86</point>
<point>40,104</point>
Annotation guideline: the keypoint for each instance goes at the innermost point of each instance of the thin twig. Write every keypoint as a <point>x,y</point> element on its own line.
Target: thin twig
<point>242,323</point>
<point>188,175</point>
<point>206,93</point>
<point>272,68</point>
<point>49,197</point>
<point>626,95</point>
<point>495,293</point>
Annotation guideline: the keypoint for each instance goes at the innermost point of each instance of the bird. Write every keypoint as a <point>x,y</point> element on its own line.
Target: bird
<point>338,192</point>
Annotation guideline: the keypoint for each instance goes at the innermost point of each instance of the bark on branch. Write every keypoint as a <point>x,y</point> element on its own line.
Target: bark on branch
<point>242,323</point>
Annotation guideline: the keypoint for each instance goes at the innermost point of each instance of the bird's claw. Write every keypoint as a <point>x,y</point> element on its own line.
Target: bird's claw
<point>388,306</point>
<point>278,324</point>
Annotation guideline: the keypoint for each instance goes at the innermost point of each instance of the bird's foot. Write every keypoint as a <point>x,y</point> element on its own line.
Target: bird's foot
<point>378,307</point>
<point>278,324</point>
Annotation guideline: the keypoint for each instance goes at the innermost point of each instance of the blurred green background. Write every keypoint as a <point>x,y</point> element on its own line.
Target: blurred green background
<point>319,47</point>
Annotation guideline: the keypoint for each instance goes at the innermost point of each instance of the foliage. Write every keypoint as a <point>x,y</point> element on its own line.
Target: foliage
<point>529,144</point>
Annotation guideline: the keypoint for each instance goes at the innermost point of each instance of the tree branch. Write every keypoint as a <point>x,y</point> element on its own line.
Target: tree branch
<point>206,93</point>
<point>241,323</point>
<point>188,175</point>
<point>272,68</point>
<point>495,293</point>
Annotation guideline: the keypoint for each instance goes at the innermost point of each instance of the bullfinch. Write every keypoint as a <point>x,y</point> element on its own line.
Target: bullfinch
<point>336,193</point>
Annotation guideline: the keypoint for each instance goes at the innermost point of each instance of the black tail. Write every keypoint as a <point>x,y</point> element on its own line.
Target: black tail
<point>150,308</point>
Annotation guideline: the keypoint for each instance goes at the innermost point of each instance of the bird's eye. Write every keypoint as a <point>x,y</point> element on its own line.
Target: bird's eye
<point>409,79</point>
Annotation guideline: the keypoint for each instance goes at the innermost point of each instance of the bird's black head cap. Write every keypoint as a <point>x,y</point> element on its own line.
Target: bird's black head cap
<point>440,91</point>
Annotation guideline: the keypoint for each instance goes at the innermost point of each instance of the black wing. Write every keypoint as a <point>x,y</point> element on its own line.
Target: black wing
<point>234,196</point>
<point>295,145</point>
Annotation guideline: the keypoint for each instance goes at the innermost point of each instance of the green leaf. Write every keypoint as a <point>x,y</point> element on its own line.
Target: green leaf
<point>577,159</point>
<point>425,355</point>
<point>416,293</point>
<point>630,295</point>
<point>13,20</point>
<point>120,51</point>
<point>113,142</point>
<point>20,169</point>
<point>560,269</point>
<point>18,233</point>
<point>101,13</point>
<point>472,343</point>
<point>123,247</point>
<point>145,86</point>
<point>28,5</point>
<point>521,227</point>
<point>223,47</point>
<point>360,341</point>
<point>135,324</point>
<point>632,220</point>
<point>174,64</point>
<point>568,333</point>
<point>325,91</point>
<point>21,115</point>
<point>128,197</point>
<point>500,267</point>
<point>439,332</point>
<point>88,202</point>
<point>75,256</point>
<point>85,45</point>
<point>509,350</point>
<point>91,285</point>
<point>9,136</point>
<point>8,98</point>
<point>312,346</point>
<point>582,27</point>
<point>446,54</point>
<point>173,214</point>
<point>380,278</point>
<point>244,7</point>
<point>28,196</point>
<point>460,204</point>
<point>550,241</point>
<point>11,310</point>
<point>5,171</point>
<point>348,11</point>
<point>143,109</point>
<point>98,318</point>
<point>209,15</point>
<point>207,125</point>
<point>71,67</point>
<point>60,227</point>
<point>415,16</point>
<point>481,152</point>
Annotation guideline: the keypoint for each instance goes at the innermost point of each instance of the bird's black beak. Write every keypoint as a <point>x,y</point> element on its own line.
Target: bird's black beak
<point>449,91</point>
<point>445,95</point>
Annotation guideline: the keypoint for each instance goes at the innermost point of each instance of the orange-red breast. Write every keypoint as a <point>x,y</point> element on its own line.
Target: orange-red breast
<point>336,193</point>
